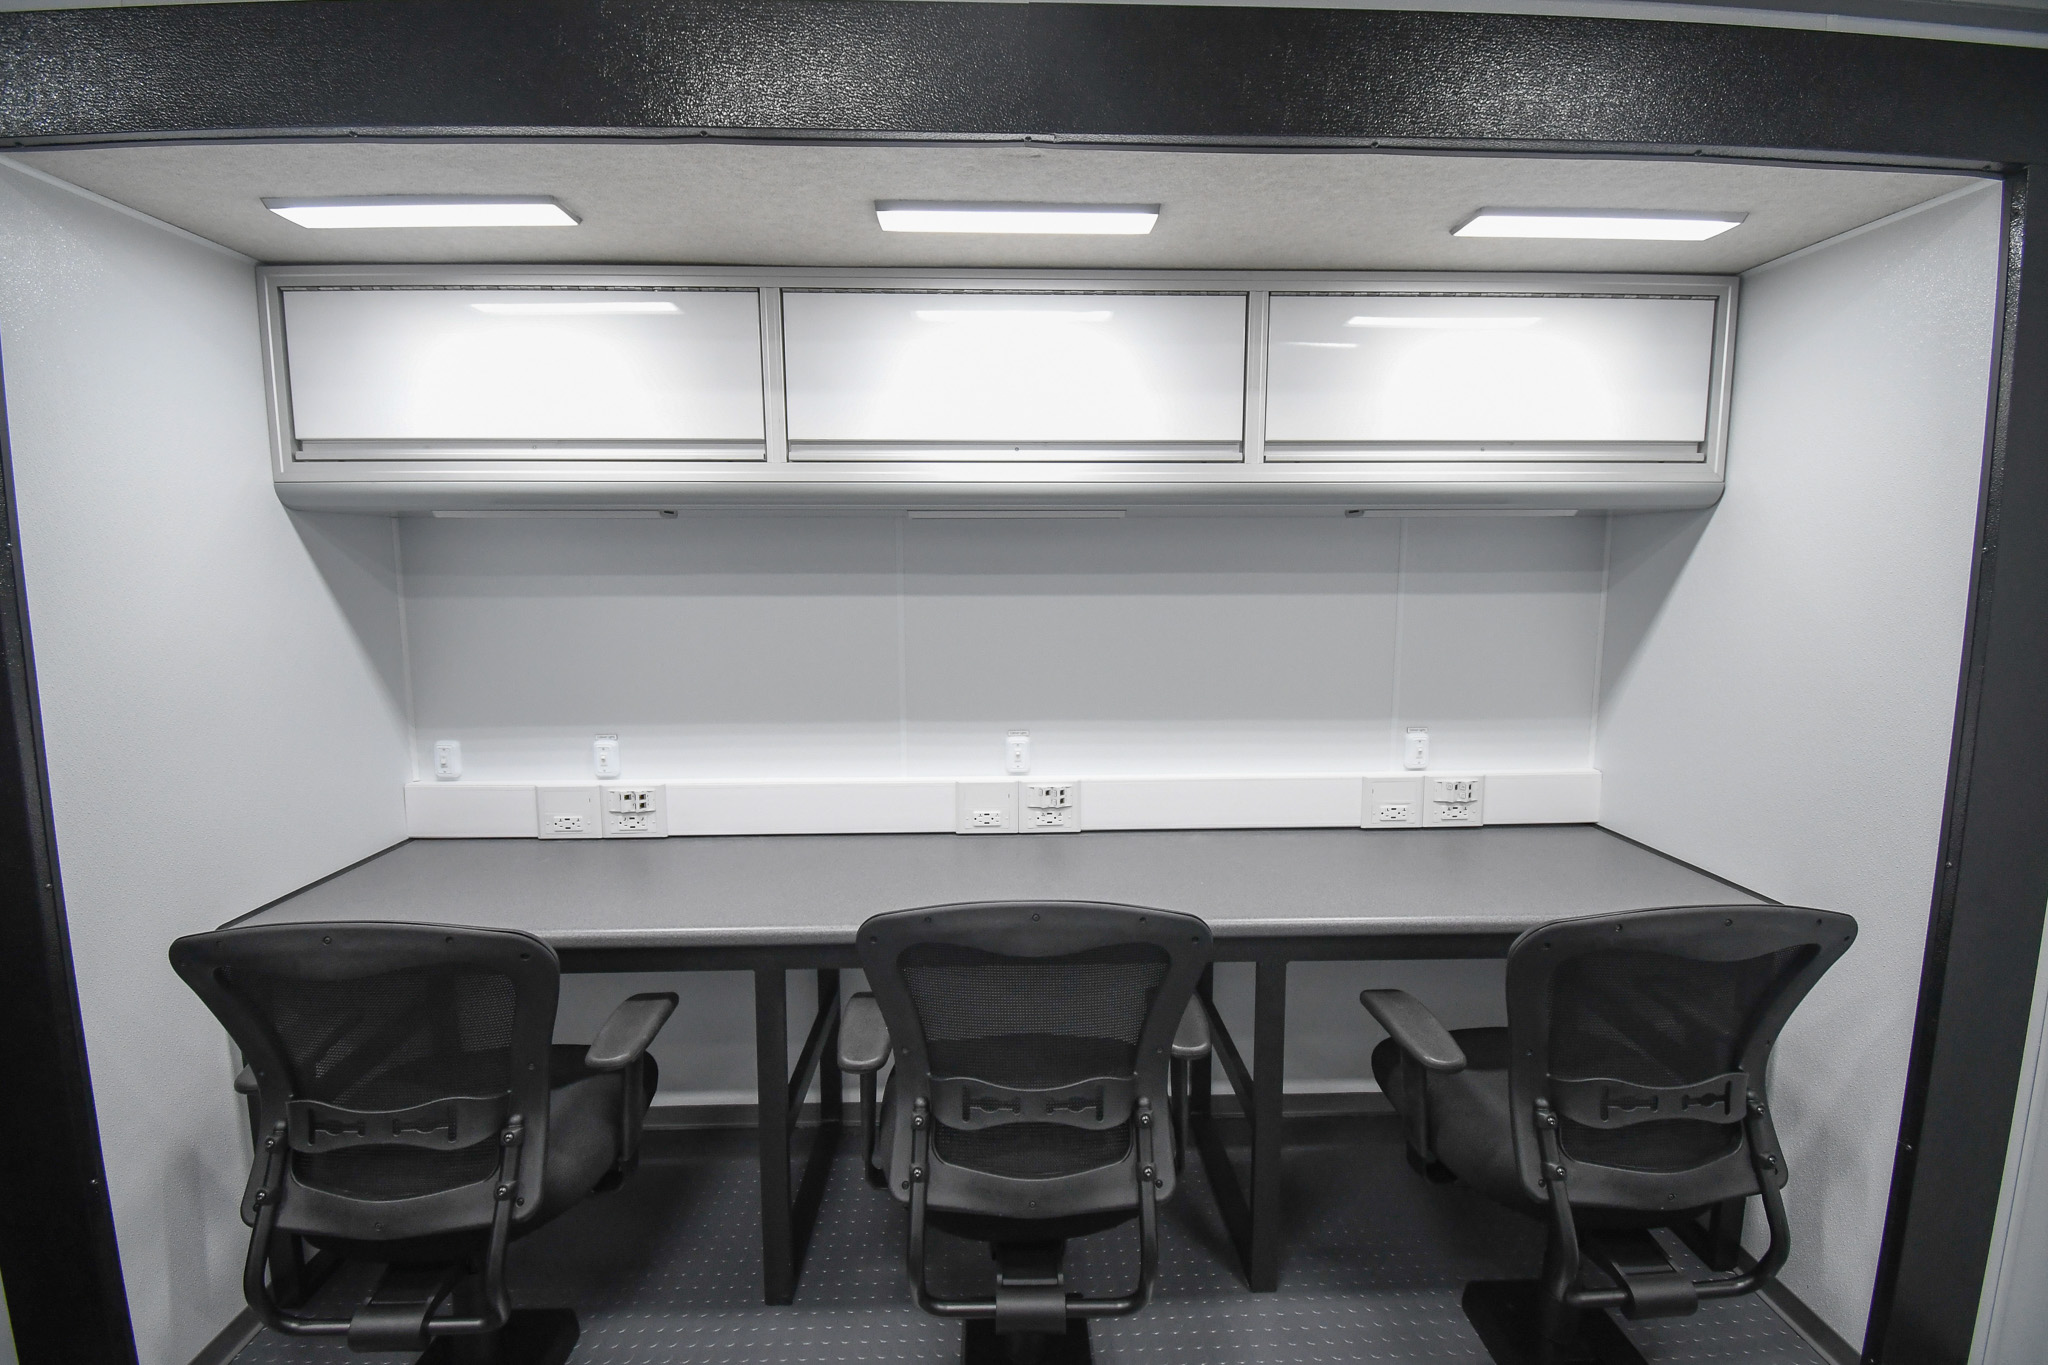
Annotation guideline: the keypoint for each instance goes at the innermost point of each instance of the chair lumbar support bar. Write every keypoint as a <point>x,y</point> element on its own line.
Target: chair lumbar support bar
<point>1631,1074</point>
<point>1031,1046</point>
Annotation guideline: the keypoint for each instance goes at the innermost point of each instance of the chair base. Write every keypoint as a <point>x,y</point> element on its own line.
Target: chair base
<point>1508,1315</point>
<point>984,1347</point>
<point>533,1336</point>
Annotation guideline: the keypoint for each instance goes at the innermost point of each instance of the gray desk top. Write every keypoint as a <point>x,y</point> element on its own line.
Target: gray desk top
<point>812,889</point>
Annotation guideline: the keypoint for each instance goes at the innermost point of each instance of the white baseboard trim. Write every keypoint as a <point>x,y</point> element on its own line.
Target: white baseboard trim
<point>505,810</point>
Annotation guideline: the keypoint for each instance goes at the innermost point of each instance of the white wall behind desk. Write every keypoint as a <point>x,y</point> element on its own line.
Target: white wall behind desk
<point>761,648</point>
<point>1781,672</point>
<point>220,687</point>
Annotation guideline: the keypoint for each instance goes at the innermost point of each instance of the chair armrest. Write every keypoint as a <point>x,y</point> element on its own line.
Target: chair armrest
<point>626,1035</point>
<point>863,1037</point>
<point>1414,1029</point>
<point>1191,1039</point>
<point>245,1081</point>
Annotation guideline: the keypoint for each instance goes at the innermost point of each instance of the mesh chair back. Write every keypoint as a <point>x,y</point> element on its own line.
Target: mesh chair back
<point>1033,1031</point>
<point>1648,1034</point>
<point>394,1055</point>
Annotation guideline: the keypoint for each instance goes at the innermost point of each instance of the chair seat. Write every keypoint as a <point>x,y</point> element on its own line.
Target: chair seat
<point>586,1111</point>
<point>1468,1119</point>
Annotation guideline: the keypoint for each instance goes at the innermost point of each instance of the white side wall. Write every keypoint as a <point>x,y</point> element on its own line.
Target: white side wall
<point>1780,672</point>
<point>220,687</point>
<point>866,647</point>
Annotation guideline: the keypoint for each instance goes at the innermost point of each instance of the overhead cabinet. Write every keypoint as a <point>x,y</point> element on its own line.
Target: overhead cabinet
<point>384,373</point>
<point>420,388</point>
<point>1013,376</point>
<point>1513,376</point>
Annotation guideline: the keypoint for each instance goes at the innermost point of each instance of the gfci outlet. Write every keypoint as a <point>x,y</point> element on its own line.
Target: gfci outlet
<point>1454,801</point>
<point>984,807</point>
<point>1049,808</point>
<point>634,813</point>
<point>1394,803</point>
<point>569,812</point>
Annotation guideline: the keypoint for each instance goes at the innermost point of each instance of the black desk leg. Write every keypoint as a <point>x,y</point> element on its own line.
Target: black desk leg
<point>771,1067</point>
<point>1269,1069</point>
<point>787,1215</point>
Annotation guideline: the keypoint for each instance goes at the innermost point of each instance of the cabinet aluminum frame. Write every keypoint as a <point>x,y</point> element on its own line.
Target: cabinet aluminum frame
<point>512,476</point>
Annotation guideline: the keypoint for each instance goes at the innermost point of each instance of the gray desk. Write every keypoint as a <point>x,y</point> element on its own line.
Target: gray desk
<point>771,904</point>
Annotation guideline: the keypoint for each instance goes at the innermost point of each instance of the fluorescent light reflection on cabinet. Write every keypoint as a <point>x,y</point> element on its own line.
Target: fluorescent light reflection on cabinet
<point>1611,225</point>
<point>1011,316</point>
<point>581,308</point>
<point>1091,220</point>
<point>424,211</point>
<point>1442,323</point>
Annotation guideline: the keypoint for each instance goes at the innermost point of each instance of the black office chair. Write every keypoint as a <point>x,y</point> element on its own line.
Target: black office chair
<point>1627,1093</point>
<point>411,1111</point>
<point>1032,1042</point>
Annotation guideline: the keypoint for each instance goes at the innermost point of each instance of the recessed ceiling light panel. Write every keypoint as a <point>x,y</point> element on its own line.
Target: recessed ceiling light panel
<point>1092,220</point>
<point>425,211</point>
<point>1609,225</point>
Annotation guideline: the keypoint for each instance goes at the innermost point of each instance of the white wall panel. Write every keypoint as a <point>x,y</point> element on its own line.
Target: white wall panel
<point>184,624</point>
<point>1400,369</point>
<point>1780,674</point>
<point>968,369</point>
<point>667,365</point>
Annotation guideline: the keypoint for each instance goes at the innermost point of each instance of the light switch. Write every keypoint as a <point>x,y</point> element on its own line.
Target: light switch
<point>447,759</point>
<point>604,755</point>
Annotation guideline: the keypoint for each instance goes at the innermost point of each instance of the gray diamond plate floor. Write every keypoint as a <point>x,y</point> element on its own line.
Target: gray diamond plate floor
<point>665,1271</point>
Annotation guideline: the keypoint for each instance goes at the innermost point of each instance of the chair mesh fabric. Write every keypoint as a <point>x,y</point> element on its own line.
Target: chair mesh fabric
<point>1032,1024</point>
<point>390,1041</point>
<point>1657,1019</point>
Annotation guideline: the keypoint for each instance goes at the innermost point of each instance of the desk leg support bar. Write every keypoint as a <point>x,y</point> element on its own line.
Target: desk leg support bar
<point>787,1213</point>
<point>1269,1068</point>
<point>1254,1224</point>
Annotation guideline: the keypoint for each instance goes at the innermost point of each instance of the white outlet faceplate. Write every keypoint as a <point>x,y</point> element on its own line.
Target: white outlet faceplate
<point>447,759</point>
<point>1454,801</point>
<point>569,812</point>
<point>1049,808</point>
<point>1017,752</point>
<point>604,756</point>
<point>1394,803</point>
<point>634,812</point>
<point>984,807</point>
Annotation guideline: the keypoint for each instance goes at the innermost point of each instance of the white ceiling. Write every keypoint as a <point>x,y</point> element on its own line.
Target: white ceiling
<point>788,204</point>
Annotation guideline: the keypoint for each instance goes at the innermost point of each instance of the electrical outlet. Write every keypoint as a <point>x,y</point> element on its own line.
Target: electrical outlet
<point>1050,808</point>
<point>569,812</point>
<point>1393,803</point>
<point>984,807</point>
<point>1455,801</point>
<point>634,813</point>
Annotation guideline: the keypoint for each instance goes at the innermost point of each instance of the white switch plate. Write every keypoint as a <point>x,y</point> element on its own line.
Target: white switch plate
<point>568,812</point>
<point>1437,810</point>
<point>632,812</point>
<point>604,756</point>
<point>447,759</point>
<point>984,807</point>
<point>1393,804</point>
<point>1049,808</point>
<point>1415,748</point>
<point>1017,752</point>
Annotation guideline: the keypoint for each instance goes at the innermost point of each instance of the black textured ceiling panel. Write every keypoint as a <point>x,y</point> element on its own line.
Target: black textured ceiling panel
<point>867,67</point>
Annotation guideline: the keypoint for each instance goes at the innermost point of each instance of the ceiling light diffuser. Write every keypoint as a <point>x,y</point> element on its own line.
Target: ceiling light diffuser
<point>1094,220</point>
<point>424,211</point>
<point>1611,225</point>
